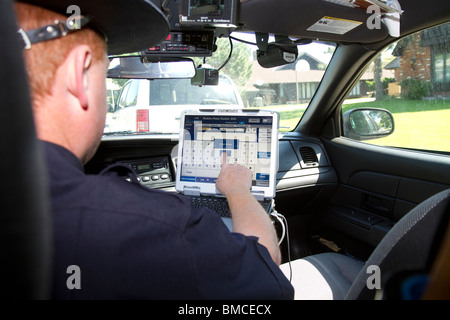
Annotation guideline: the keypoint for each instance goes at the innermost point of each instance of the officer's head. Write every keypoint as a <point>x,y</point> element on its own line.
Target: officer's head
<point>66,51</point>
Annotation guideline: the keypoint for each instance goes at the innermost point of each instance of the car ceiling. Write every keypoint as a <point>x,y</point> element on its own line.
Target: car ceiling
<point>294,17</point>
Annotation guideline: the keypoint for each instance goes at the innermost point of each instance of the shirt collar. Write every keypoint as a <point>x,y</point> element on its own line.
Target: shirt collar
<point>57,153</point>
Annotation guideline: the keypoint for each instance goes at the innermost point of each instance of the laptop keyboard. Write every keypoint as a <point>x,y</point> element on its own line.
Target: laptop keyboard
<point>220,205</point>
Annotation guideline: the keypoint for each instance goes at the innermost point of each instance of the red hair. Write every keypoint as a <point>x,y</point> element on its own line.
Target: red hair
<point>44,58</point>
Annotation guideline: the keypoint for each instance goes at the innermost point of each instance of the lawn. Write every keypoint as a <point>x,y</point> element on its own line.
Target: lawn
<point>418,124</point>
<point>289,119</point>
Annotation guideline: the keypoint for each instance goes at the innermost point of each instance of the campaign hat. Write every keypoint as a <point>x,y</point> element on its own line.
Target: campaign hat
<point>127,25</point>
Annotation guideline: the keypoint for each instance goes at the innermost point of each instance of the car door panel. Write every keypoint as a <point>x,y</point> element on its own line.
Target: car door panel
<point>351,156</point>
<point>377,186</point>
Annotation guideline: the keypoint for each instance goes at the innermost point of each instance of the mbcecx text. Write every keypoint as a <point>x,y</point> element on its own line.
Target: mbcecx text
<point>243,309</point>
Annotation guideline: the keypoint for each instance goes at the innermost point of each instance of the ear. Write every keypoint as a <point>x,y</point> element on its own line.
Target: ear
<point>80,62</point>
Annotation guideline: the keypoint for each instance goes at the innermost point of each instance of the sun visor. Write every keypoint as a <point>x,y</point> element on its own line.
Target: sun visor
<point>330,21</point>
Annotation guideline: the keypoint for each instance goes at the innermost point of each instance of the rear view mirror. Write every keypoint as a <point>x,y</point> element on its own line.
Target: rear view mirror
<point>367,123</point>
<point>133,67</point>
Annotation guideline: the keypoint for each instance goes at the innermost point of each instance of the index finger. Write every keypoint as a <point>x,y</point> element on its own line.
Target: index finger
<point>224,157</point>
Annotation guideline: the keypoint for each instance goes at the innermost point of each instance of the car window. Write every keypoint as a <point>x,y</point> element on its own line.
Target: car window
<point>411,79</point>
<point>131,94</point>
<point>128,94</point>
<point>180,91</point>
<point>123,96</point>
<point>243,83</point>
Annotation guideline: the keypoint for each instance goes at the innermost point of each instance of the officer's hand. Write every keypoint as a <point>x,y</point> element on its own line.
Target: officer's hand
<point>233,178</point>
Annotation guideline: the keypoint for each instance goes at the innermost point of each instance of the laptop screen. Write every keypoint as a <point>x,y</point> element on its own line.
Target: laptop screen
<point>245,139</point>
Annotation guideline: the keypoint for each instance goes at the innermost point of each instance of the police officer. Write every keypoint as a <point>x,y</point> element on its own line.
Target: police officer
<point>126,241</point>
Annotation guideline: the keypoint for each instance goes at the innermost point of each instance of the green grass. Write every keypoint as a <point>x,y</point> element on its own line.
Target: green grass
<point>418,124</point>
<point>289,119</point>
<point>402,106</point>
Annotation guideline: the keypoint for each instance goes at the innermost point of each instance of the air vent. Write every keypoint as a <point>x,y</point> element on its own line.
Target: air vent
<point>309,156</point>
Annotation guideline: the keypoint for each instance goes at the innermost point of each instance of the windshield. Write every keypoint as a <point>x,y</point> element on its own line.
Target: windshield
<point>154,106</point>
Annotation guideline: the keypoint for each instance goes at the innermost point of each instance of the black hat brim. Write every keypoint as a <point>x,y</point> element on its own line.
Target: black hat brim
<point>129,25</point>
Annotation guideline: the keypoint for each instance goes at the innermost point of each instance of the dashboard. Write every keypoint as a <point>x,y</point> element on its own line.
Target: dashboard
<point>152,172</point>
<point>303,164</point>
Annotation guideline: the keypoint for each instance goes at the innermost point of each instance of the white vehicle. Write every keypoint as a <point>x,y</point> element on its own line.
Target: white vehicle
<point>156,105</point>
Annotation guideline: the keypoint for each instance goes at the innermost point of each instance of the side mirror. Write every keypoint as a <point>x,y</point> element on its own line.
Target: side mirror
<point>367,123</point>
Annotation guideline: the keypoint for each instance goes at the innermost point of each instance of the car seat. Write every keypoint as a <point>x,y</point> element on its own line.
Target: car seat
<point>25,225</point>
<point>409,247</point>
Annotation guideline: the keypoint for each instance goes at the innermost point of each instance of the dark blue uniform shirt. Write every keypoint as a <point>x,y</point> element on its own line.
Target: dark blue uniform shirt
<point>131,242</point>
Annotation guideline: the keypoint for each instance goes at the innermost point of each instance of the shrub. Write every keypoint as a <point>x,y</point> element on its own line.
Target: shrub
<point>413,89</point>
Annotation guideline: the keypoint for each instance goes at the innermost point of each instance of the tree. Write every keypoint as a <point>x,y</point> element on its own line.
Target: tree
<point>377,74</point>
<point>380,61</point>
<point>238,68</point>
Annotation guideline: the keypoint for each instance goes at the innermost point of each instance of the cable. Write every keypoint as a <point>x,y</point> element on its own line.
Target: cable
<point>283,228</point>
<point>229,56</point>
<point>285,233</point>
<point>243,41</point>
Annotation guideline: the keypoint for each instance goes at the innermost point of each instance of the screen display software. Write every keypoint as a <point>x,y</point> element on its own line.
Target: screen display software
<point>246,140</point>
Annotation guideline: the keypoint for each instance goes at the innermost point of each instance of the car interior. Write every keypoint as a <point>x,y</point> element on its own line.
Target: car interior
<point>338,193</point>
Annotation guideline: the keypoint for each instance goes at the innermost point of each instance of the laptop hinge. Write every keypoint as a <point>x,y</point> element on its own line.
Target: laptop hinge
<point>259,195</point>
<point>191,191</point>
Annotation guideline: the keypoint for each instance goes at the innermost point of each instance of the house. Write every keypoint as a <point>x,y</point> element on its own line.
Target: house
<point>291,83</point>
<point>295,83</point>
<point>424,57</point>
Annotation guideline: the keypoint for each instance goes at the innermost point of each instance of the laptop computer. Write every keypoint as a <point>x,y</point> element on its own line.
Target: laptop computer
<point>248,137</point>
